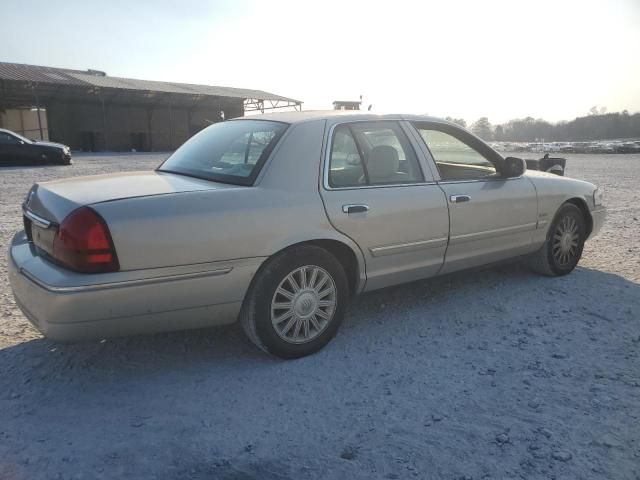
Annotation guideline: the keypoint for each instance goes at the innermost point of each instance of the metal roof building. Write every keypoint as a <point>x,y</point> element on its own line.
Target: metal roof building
<point>347,105</point>
<point>90,110</point>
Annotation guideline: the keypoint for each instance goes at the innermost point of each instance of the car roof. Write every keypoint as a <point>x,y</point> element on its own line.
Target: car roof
<point>346,115</point>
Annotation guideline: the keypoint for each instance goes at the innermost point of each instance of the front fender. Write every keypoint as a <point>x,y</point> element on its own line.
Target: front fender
<point>552,192</point>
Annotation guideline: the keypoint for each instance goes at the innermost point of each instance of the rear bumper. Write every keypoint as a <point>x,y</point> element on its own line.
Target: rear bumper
<point>67,306</point>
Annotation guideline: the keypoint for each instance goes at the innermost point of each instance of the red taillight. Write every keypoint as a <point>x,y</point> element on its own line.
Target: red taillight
<point>83,243</point>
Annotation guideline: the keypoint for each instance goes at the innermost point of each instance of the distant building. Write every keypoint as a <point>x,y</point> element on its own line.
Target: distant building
<point>91,111</point>
<point>28,122</point>
<point>346,105</point>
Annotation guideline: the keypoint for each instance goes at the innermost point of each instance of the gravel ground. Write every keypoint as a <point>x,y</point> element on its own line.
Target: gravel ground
<point>491,374</point>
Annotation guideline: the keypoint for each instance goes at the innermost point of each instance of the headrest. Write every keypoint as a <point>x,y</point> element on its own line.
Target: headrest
<point>383,163</point>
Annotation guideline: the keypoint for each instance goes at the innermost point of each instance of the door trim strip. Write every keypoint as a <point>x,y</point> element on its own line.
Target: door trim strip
<point>408,247</point>
<point>472,237</point>
<point>124,283</point>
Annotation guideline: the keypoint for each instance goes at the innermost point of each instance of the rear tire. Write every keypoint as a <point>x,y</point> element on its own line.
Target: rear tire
<point>296,302</point>
<point>563,247</point>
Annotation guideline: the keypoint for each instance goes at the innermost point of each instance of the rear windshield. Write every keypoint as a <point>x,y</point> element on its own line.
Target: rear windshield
<point>230,152</point>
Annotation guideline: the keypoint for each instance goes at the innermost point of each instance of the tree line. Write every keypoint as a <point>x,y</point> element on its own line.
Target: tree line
<point>598,125</point>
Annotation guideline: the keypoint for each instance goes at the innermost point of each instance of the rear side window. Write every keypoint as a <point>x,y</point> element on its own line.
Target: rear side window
<point>231,152</point>
<point>371,153</point>
<point>6,139</point>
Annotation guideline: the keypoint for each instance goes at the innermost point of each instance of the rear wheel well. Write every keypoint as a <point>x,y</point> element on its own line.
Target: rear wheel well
<point>343,253</point>
<point>582,205</point>
<point>345,256</point>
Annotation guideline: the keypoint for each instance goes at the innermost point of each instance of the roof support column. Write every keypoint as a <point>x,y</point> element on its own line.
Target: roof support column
<point>170,127</point>
<point>38,112</point>
<point>149,134</point>
<point>104,123</point>
<point>21,121</point>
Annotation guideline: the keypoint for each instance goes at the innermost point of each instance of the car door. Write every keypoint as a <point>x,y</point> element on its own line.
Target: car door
<point>377,191</point>
<point>12,149</point>
<point>7,148</point>
<point>491,217</point>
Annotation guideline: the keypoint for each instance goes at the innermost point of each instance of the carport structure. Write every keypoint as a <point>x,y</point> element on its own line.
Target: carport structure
<point>91,111</point>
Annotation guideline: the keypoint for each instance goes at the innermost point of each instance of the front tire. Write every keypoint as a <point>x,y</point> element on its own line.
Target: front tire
<point>296,302</point>
<point>563,247</point>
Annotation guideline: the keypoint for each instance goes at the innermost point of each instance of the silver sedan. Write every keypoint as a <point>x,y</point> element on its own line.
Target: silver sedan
<point>277,220</point>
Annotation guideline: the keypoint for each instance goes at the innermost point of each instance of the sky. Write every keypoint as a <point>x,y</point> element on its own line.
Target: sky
<point>464,59</point>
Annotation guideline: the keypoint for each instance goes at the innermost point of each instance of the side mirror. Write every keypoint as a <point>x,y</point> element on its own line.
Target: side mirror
<point>513,167</point>
<point>21,142</point>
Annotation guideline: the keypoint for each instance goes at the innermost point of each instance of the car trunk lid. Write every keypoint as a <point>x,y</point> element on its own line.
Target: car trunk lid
<point>48,203</point>
<point>55,200</point>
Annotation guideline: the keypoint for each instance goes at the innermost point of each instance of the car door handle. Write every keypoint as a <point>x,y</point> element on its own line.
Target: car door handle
<point>459,198</point>
<point>355,208</point>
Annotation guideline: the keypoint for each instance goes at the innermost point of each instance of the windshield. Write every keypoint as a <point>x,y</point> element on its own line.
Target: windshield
<point>231,152</point>
<point>20,137</point>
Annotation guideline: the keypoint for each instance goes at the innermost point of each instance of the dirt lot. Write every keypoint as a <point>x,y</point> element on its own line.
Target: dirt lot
<point>492,374</point>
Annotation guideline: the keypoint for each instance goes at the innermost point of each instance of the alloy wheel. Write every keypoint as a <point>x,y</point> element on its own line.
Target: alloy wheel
<point>566,237</point>
<point>303,305</point>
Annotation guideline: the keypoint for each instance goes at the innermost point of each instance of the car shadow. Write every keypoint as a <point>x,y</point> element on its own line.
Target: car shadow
<point>85,398</point>
<point>499,288</point>
<point>22,166</point>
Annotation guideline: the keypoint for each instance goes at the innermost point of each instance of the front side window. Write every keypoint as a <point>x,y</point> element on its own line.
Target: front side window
<point>455,159</point>
<point>371,153</point>
<point>6,139</point>
<point>231,152</point>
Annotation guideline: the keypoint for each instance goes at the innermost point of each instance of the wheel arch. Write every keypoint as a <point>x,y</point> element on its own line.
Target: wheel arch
<point>344,253</point>
<point>584,208</point>
<point>347,258</point>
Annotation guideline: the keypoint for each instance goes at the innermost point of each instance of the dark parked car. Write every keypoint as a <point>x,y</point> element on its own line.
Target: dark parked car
<point>18,150</point>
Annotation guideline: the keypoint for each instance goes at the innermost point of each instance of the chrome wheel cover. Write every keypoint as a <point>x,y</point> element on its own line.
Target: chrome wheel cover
<point>303,304</point>
<point>564,245</point>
